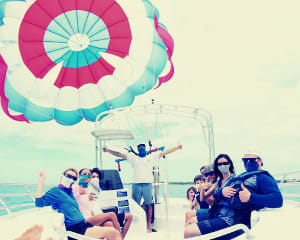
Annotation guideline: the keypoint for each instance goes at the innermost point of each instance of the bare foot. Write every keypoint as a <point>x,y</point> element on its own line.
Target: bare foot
<point>33,233</point>
<point>149,230</point>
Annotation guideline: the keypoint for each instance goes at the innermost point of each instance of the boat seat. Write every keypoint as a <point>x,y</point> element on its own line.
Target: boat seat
<point>80,237</point>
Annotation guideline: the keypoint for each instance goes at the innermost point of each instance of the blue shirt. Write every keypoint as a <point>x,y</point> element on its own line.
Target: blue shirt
<point>222,208</point>
<point>265,193</point>
<point>64,203</point>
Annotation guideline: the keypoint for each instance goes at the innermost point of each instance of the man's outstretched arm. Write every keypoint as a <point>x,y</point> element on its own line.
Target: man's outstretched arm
<point>170,150</point>
<point>115,153</point>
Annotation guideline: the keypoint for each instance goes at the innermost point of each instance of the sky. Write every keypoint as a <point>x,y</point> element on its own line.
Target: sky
<point>237,59</point>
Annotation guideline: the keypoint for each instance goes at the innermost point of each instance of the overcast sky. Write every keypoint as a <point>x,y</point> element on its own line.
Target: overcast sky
<point>237,59</point>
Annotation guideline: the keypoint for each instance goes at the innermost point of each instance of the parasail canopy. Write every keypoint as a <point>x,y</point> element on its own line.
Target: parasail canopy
<point>70,60</point>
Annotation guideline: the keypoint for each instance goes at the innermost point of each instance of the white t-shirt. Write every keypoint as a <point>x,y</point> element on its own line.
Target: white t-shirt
<point>142,167</point>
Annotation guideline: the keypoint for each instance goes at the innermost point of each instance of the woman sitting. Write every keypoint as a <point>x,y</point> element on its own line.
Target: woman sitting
<point>123,219</point>
<point>61,198</point>
<point>83,196</point>
<point>221,214</point>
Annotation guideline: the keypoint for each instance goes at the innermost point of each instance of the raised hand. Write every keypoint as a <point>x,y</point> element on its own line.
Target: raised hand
<point>42,175</point>
<point>205,185</point>
<point>245,194</point>
<point>229,191</point>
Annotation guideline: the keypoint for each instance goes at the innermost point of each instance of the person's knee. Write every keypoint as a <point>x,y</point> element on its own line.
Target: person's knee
<point>188,214</point>
<point>128,217</point>
<point>111,214</point>
<point>108,224</point>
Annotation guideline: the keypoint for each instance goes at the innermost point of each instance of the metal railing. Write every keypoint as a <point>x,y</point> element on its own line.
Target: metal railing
<point>27,193</point>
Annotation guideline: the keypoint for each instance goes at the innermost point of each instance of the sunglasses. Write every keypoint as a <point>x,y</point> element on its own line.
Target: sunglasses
<point>252,160</point>
<point>71,177</point>
<point>223,163</point>
<point>95,176</point>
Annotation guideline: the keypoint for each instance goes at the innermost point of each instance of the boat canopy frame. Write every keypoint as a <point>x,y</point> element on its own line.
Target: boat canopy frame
<point>198,114</point>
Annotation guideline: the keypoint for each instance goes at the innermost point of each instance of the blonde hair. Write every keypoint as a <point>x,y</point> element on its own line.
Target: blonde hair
<point>71,169</point>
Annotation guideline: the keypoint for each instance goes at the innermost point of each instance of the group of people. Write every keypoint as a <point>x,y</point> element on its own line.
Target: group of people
<point>219,199</point>
<point>222,199</point>
<point>74,196</point>
<point>77,190</point>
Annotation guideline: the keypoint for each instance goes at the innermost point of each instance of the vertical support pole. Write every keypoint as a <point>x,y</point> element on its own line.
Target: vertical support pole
<point>156,184</point>
<point>100,155</point>
<point>98,144</point>
<point>97,152</point>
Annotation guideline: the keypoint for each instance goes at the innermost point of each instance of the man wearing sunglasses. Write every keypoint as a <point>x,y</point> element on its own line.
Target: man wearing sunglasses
<point>252,190</point>
<point>142,165</point>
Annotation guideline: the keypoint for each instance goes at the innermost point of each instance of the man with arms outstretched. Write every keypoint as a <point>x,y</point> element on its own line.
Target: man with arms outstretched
<point>142,165</point>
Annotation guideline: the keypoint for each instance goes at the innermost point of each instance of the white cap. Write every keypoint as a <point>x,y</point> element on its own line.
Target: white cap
<point>252,151</point>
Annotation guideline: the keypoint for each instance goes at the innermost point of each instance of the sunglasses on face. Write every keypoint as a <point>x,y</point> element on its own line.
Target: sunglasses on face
<point>95,176</point>
<point>223,163</point>
<point>252,160</point>
<point>71,177</point>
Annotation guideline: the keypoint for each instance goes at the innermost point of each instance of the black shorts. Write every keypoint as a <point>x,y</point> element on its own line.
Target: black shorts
<point>79,228</point>
<point>121,217</point>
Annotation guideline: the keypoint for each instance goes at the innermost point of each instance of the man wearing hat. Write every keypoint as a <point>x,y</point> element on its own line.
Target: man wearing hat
<point>258,189</point>
<point>142,165</point>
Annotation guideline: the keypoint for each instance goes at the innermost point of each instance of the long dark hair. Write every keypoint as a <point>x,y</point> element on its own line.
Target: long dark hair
<point>98,171</point>
<point>189,189</point>
<point>83,169</point>
<point>216,170</point>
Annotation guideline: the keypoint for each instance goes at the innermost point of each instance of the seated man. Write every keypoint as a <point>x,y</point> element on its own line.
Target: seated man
<point>62,199</point>
<point>258,189</point>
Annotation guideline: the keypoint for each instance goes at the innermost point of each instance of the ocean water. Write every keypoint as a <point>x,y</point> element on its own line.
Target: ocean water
<point>173,190</point>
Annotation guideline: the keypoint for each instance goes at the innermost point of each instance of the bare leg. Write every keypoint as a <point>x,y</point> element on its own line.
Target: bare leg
<point>103,232</point>
<point>108,224</point>
<point>192,220</point>
<point>100,219</point>
<point>149,216</point>
<point>191,230</point>
<point>33,233</point>
<point>189,214</point>
<point>128,220</point>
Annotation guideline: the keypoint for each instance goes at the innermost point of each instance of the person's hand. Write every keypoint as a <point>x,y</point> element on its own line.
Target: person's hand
<point>82,190</point>
<point>179,146</point>
<point>205,185</point>
<point>42,175</point>
<point>104,149</point>
<point>91,197</point>
<point>245,194</point>
<point>229,191</point>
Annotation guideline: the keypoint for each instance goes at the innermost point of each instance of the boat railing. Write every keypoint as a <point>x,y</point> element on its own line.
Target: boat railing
<point>10,208</point>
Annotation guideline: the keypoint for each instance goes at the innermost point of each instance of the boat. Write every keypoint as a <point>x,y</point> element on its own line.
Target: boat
<point>168,212</point>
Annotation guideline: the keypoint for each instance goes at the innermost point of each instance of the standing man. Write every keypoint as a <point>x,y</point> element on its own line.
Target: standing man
<point>142,165</point>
